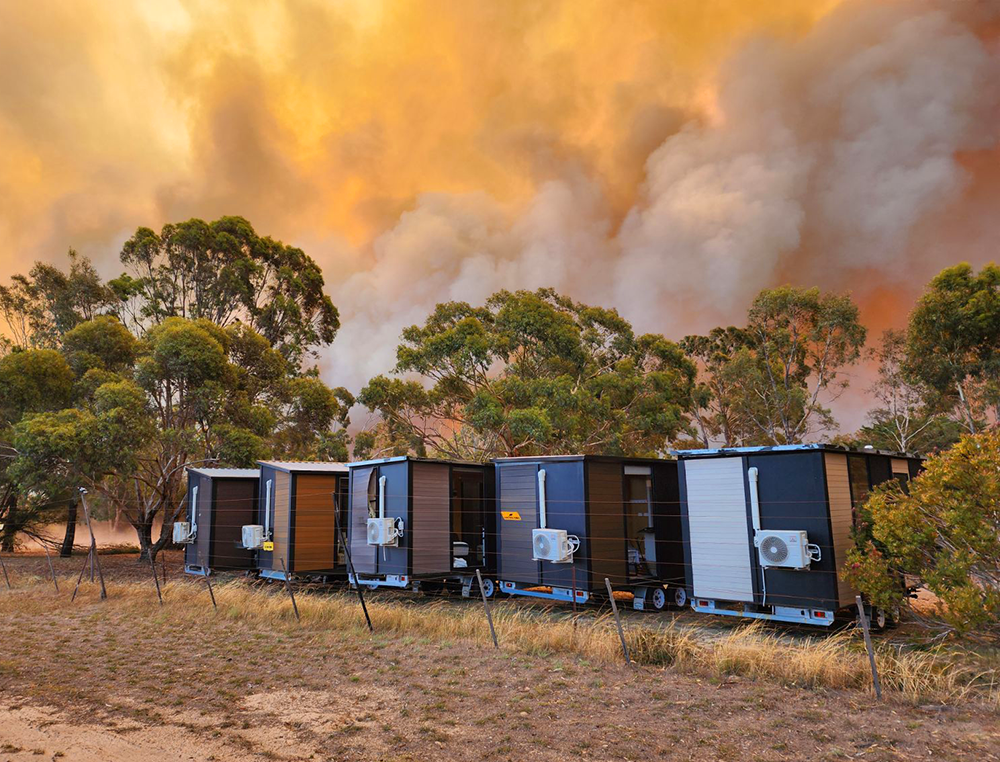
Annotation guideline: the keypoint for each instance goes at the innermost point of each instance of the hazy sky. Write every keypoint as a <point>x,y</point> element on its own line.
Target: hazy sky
<point>667,158</point>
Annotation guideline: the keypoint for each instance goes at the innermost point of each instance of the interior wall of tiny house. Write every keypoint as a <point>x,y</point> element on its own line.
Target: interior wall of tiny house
<point>426,496</point>
<point>590,497</point>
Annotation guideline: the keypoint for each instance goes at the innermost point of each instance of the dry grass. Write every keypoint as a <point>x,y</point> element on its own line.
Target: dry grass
<point>836,661</point>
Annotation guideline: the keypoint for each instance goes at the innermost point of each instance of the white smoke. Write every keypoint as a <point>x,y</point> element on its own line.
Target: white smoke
<point>826,160</point>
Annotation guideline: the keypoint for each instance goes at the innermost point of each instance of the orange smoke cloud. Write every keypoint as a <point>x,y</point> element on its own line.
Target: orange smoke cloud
<point>666,158</point>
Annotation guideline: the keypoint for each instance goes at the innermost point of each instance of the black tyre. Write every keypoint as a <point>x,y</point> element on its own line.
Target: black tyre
<point>680,597</point>
<point>658,598</point>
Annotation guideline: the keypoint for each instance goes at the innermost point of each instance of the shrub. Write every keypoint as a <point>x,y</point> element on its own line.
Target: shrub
<point>946,531</point>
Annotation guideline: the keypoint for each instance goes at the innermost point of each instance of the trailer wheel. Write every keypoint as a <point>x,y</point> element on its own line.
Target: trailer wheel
<point>658,599</point>
<point>372,585</point>
<point>895,615</point>
<point>680,597</point>
<point>489,587</point>
<point>880,619</point>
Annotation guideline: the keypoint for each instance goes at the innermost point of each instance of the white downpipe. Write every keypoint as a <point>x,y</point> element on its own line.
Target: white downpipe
<point>381,497</point>
<point>267,510</point>
<point>755,517</point>
<point>754,498</point>
<point>542,518</point>
<point>194,511</point>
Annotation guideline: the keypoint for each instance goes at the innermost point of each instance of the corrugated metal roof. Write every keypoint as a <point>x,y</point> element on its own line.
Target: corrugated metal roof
<point>227,473</point>
<point>786,448</point>
<point>305,466</point>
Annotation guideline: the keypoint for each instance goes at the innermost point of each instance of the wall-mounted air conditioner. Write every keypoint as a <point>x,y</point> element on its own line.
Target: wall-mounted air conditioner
<point>551,545</point>
<point>182,533</point>
<point>383,532</point>
<point>253,536</point>
<point>787,549</point>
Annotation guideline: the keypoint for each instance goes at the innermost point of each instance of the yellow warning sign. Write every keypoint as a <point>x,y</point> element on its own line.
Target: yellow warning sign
<point>268,546</point>
<point>510,515</point>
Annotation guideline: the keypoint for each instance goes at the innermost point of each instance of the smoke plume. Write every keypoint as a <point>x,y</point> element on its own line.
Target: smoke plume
<point>668,159</point>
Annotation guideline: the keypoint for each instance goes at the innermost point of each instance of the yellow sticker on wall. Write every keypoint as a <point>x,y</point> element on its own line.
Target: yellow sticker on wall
<point>510,515</point>
<point>268,546</point>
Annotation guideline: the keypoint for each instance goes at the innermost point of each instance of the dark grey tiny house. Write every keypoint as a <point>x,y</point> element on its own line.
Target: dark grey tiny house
<point>767,529</point>
<point>416,520</point>
<point>621,514</point>
<point>296,516</point>
<point>220,502</point>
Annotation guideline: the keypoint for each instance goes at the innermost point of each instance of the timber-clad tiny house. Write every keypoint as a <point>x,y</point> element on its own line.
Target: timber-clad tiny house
<point>220,501</point>
<point>414,521</point>
<point>567,523</point>
<point>767,529</point>
<point>296,531</point>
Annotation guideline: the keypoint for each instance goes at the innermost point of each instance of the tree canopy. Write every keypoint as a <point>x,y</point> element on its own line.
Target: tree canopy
<point>954,342</point>
<point>224,272</point>
<point>769,383</point>
<point>529,373</point>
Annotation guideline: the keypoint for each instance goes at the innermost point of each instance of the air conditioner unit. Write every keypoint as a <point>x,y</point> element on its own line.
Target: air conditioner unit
<point>182,533</point>
<point>383,532</point>
<point>788,549</point>
<point>253,536</point>
<point>551,545</point>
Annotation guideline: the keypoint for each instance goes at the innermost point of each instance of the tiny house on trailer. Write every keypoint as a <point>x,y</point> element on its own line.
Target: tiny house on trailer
<point>767,529</point>
<point>220,501</point>
<point>295,531</point>
<point>568,522</point>
<point>415,520</point>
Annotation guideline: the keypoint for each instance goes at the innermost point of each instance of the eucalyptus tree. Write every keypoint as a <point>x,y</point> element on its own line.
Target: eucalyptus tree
<point>529,373</point>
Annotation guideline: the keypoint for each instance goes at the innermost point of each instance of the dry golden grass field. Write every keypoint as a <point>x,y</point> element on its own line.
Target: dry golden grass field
<point>128,680</point>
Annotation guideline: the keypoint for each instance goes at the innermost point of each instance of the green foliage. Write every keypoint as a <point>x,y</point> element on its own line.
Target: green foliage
<point>224,272</point>
<point>40,307</point>
<point>954,341</point>
<point>31,381</point>
<point>529,372</point>
<point>102,343</point>
<point>945,530</point>
<point>909,417</point>
<point>766,383</point>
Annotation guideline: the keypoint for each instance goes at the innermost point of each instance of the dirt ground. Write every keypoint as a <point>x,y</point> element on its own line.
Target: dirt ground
<point>95,681</point>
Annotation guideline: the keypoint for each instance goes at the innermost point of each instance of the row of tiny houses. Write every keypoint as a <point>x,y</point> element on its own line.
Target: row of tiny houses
<point>756,532</point>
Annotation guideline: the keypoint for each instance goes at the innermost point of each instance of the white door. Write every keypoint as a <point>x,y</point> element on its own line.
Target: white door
<point>720,540</point>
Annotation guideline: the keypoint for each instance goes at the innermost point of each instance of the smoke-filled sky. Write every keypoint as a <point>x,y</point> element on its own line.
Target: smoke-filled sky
<point>668,158</point>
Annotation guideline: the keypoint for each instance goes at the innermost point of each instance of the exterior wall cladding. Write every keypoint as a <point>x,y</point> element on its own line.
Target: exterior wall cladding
<point>585,495</point>
<point>301,507</point>
<point>810,487</point>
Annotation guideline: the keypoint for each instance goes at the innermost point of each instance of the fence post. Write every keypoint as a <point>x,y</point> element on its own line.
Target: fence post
<point>83,571</point>
<point>156,580</point>
<point>486,605</point>
<point>208,579</point>
<point>291,593</point>
<point>93,543</point>
<point>350,563</point>
<point>618,621</point>
<point>52,570</point>
<point>868,645</point>
<point>4,567</point>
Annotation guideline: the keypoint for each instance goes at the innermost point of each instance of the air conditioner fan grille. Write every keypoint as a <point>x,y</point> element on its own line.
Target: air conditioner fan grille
<point>774,549</point>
